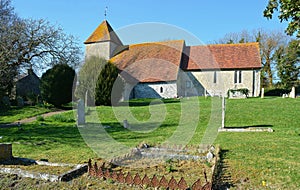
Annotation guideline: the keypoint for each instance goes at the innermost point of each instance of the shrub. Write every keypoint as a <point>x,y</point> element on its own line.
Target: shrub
<point>109,86</point>
<point>244,91</point>
<point>57,85</point>
<point>40,118</point>
<point>87,79</point>
<point>276,92</point>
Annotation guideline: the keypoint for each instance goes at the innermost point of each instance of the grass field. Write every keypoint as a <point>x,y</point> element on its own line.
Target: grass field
<point>18,113</point>
<point>250,160</point>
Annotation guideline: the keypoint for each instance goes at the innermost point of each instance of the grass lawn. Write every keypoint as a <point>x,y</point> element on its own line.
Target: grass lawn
<point>249,158</point>
<point>17,113</point>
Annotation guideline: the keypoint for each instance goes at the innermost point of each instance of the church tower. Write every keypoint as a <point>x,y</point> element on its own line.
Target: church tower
<point>102,42</point>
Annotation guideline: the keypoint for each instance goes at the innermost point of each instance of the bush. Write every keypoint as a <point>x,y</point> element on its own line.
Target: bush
<point>57,85</point>
<point>40,118</point>
<point>276,92</point>
<point>87,79</point>
<point>109,86</point>
<point>244,91</point>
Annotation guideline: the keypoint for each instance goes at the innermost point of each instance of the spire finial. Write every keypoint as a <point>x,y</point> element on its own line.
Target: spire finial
<point>105,12</point>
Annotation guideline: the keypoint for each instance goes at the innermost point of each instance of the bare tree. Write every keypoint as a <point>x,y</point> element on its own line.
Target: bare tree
<point>26,43</point>
<point>42,45</point>
<point>8,21</point>
<point>269,42</point>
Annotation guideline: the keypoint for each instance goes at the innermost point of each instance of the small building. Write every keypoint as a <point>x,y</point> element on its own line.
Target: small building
<point>172,69</point>
<point>28,85</point>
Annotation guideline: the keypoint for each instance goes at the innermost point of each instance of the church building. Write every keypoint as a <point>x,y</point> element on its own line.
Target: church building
<point>171,69</point>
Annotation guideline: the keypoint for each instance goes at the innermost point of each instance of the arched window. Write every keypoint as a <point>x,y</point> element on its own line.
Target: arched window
<point>161,90</point>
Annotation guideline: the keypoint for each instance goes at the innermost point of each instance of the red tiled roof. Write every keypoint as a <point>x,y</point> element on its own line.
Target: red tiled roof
<point>150,62</point>
<point>103,32</point>
<point>222,56</point>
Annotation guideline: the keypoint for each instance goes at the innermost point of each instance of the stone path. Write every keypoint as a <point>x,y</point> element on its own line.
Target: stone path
<point>31,119</point>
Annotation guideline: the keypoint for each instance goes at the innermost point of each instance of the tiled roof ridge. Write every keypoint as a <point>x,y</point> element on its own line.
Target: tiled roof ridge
<point>156,42</point>
<point>236,44</point>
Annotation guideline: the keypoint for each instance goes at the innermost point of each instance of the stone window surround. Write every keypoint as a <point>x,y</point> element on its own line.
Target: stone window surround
<point>237,77</point>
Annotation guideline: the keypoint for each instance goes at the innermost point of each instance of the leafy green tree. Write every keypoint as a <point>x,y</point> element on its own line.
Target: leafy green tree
<point>289,11</point>
<point>109,86</point>
<point>87,79</point>
<point>288,64</point>
<point>57,85</point>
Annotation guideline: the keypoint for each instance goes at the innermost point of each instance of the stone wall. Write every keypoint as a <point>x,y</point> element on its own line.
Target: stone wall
<point>100,49</point>
<point>28,85</point>
<point>5,152</point>
<point>188,85</point>
<point>225,81</point>
<point>155,90</point>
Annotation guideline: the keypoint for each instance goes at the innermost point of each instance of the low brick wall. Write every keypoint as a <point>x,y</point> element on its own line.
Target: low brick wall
<point>5,152</point>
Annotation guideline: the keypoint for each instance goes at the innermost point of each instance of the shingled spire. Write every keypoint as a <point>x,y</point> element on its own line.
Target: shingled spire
<point>102,42</point>
<point>103,33</point>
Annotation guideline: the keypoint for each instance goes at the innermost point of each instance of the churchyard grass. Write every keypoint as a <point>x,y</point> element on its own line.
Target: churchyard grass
<point>15,114</point>
<point>258,160</point>
<point>253,159</point>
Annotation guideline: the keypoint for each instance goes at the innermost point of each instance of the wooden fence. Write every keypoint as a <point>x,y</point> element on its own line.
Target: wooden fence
<point>137,180</point>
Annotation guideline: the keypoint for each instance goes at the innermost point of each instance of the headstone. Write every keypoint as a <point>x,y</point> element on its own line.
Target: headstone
<point>80,112</point>
<point>262,92</point>
<point>223,112</point>
<point>125,124</point>
<point>6,101</point>
<point>20,101</point>
<point>86,98</point>
<point>212,148</point>
<point>293,93</point>
<point>5,152</point>
<point>209,156</point>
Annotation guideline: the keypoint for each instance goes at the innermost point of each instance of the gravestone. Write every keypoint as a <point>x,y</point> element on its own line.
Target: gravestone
<point>209,156</point>
<point>262,92</point>
<point>86,98</point>
<point>6,101</point>
<point>285,96</point>
<point>125,124</point>
<point>20,101</point>
<point>223,112</point>
<point>80,112</point>
<point>293,93</point>
<point>5,152</point>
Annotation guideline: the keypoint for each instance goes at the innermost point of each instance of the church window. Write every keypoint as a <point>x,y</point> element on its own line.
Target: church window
<point>237,77</point>
<point>215,76</point>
